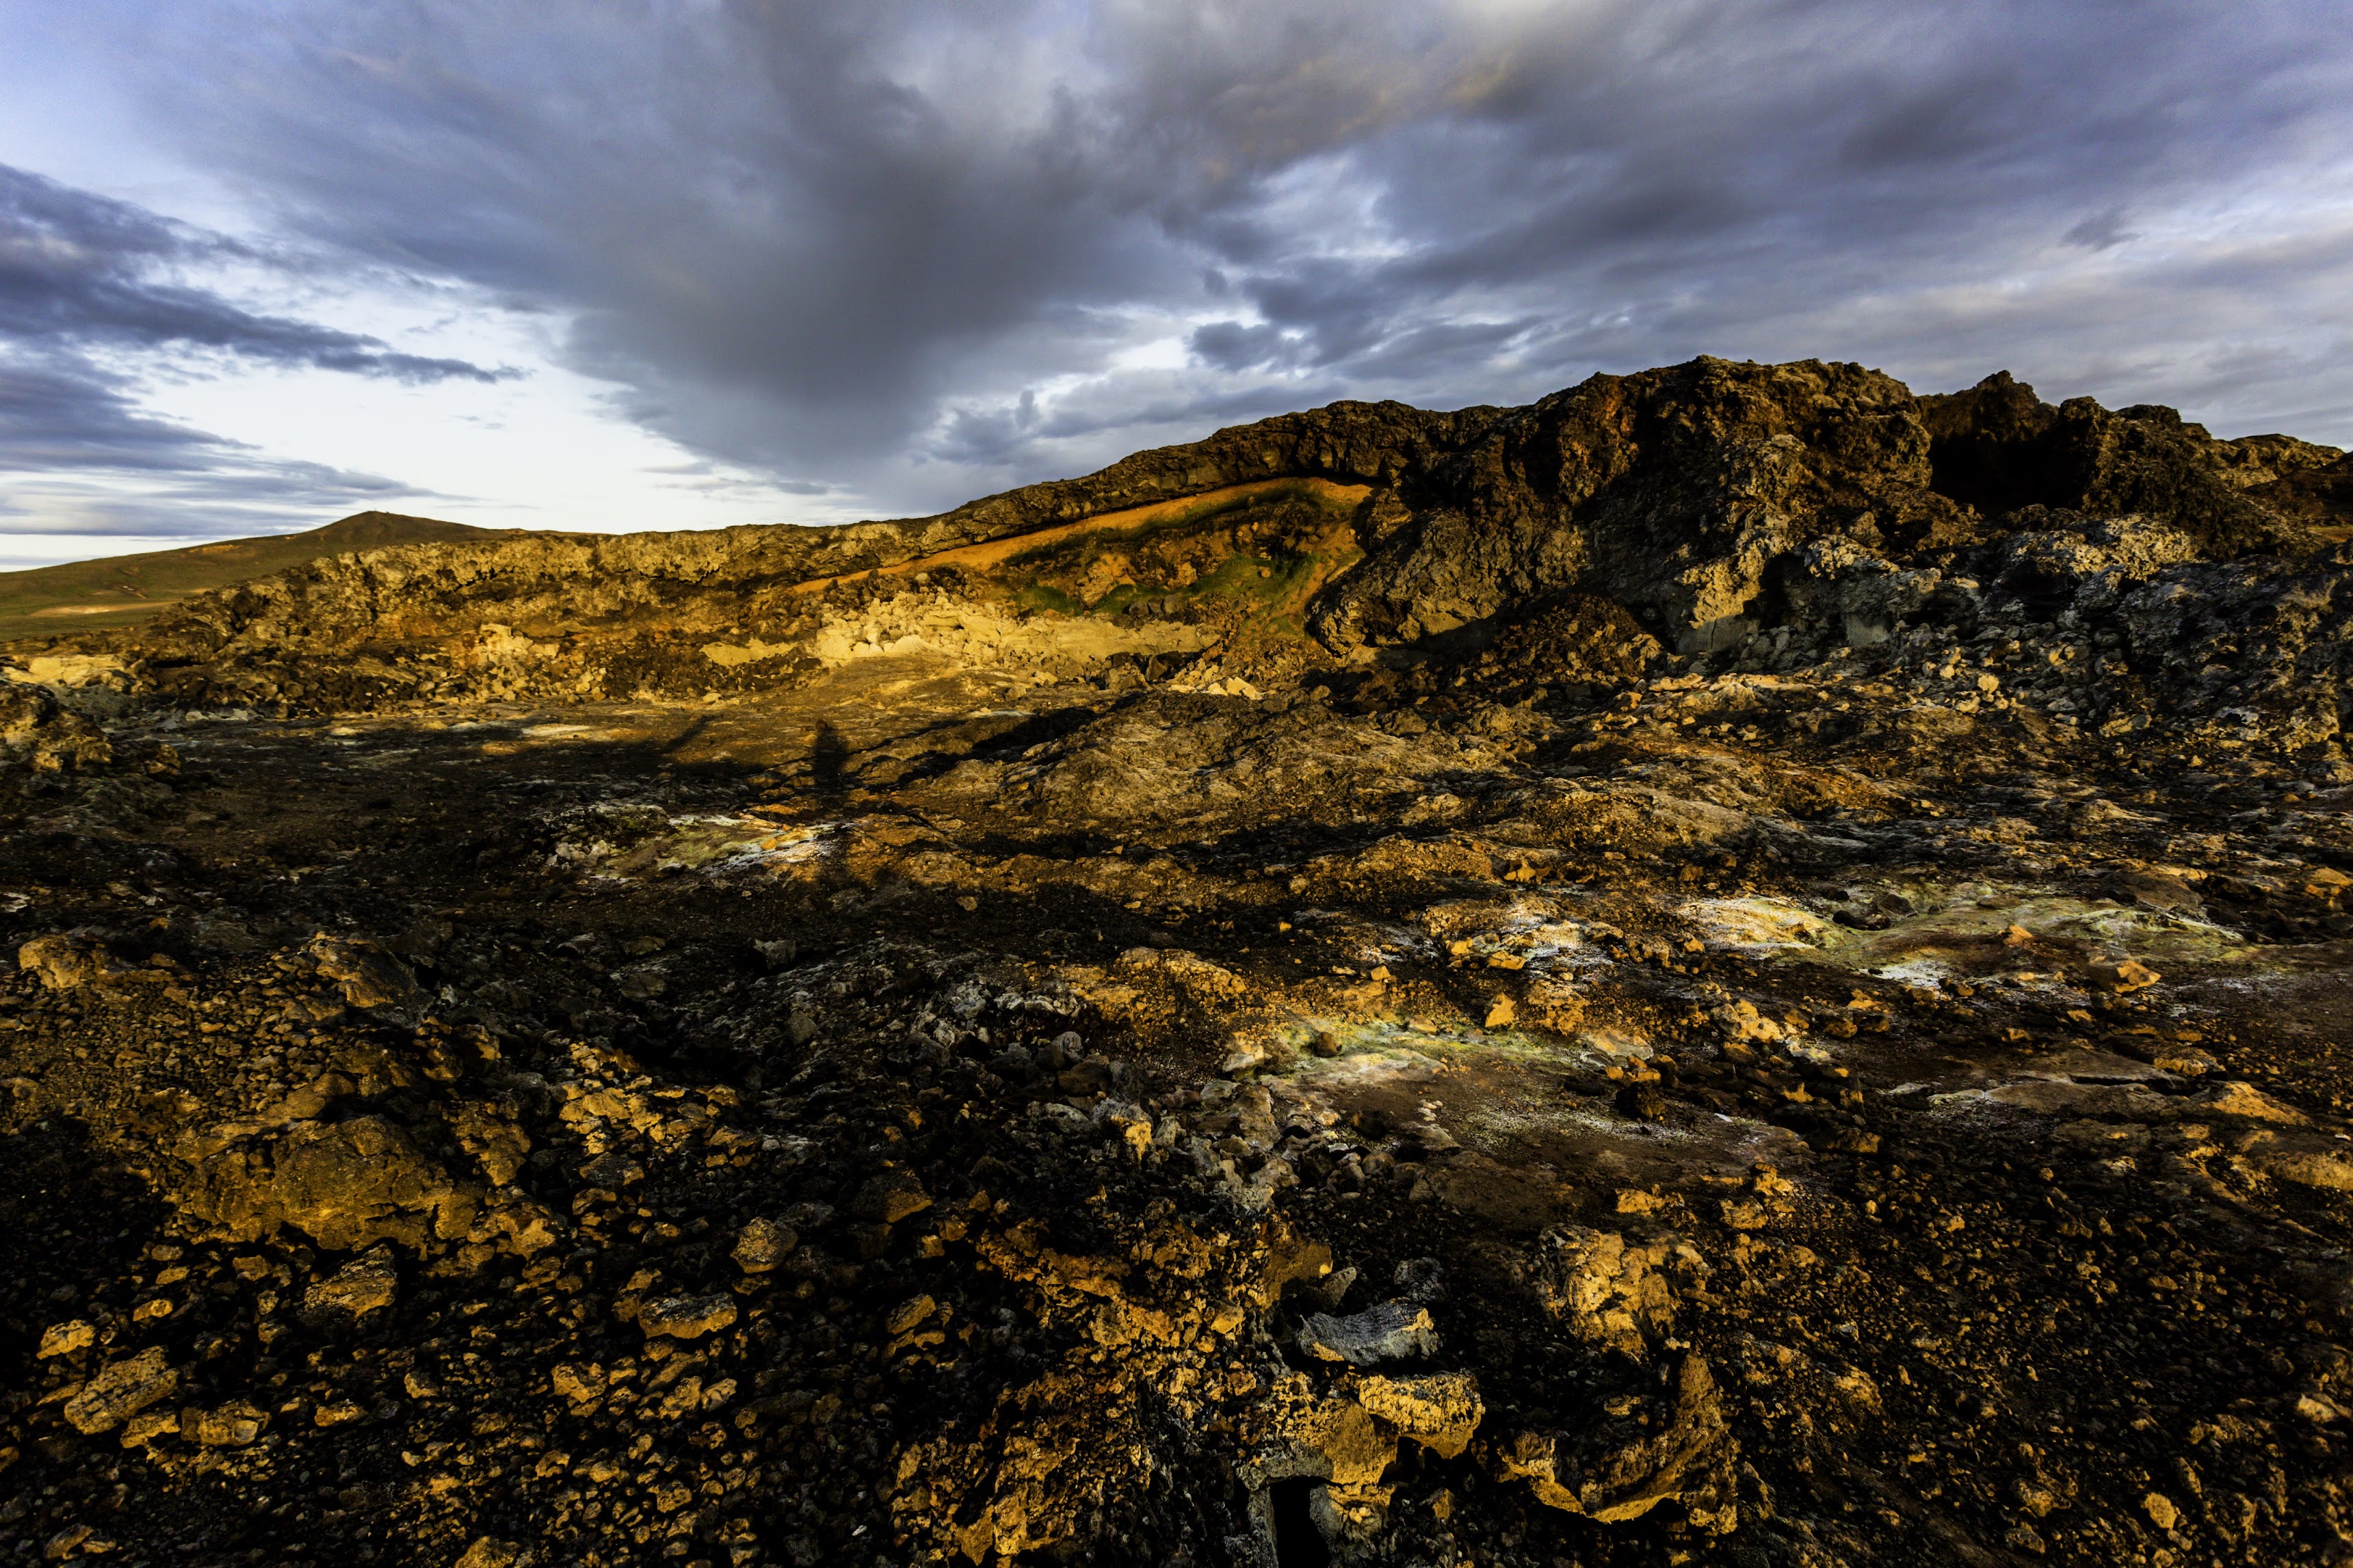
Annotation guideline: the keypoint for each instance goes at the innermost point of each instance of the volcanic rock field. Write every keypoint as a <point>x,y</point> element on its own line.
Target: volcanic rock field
<point>1735,966</point>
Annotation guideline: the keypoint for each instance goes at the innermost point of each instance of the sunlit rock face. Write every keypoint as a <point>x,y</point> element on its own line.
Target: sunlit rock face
<point>1736,964</point>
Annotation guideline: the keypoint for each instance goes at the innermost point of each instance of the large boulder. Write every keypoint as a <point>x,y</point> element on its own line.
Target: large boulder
<point>347,1185</point>
<point>122,1390</point>
<point>1623,1468</point>
<point>68,961</point>
<point>39,732</point>
<point>366,974</point>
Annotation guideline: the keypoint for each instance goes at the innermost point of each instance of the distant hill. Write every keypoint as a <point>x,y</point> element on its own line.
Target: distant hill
<point>123,590</point>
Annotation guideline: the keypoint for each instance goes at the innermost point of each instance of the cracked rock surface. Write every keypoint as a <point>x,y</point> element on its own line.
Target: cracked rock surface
<point>1734,966</point>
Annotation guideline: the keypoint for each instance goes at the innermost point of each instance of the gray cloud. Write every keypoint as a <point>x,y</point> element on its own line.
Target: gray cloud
<point>74,440</point>
<point>79,270</point>
<point>87,292</point>
<point>908,252</point>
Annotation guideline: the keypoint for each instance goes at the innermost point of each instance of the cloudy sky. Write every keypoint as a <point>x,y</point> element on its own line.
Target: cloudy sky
<point>679,263</point>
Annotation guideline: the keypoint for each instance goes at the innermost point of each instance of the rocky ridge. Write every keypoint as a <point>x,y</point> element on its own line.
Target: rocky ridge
<point>1736,966</point>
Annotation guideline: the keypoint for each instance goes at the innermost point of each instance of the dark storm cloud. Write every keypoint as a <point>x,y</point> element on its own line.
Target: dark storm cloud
<point>61,414</point>
<point>904,247</point>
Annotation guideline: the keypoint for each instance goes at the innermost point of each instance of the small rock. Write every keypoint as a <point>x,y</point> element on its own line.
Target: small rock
<point>309,1101</point>
<point>1641,1102</point>
<point>582,1384</point>
<point>684,1395</point>
<point>120,1391</point>
<point>64,1339</point>
<point>1246,1054</point>
<point>1500,1011</point>
<point>1393,1331</point>
<point>494,1140</point>
<point>2317,1408</point>
<point>148,1426</point>
<point>890,1197</point>
<point>1331,1291</point>
<point>489,1552</point>
<point>233,1425</point>
<point>763,1244</point>
<point>1744,1214</point>
<point>687,1317</point>
<point>2188,1061</point>
<point>1090,1077</point>
<point>1742,1021</point>
<point>612,1169</point>
<point>2160,1509</point>
<point>65,1542</point>
<point>2123,975</point>
<point>1422,1279</point>
<point>907,1314</point>
<point>364,1285</point>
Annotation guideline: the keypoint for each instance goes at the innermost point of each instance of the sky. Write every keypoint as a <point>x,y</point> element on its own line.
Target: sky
<point>629,264</point>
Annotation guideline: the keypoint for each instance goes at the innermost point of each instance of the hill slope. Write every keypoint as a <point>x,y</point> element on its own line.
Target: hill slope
<point>123,590</point>
<point>1736,966</point>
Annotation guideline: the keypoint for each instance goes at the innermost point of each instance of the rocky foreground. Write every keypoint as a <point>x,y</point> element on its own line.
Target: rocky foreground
<point>1735,966</point>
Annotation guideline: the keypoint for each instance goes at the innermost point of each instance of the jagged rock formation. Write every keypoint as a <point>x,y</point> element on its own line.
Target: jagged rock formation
<point>1762,516</point>
<point>1736,966</point>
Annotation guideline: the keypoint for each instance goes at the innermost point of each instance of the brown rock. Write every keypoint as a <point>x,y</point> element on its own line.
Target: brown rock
<point>890,1197</point>
<point>364,1285</point>
<point>1742,1021</point>
<point>368,976</point>
<point>69,960</point>
<point>763,1244</point>
<point>348,1186</point>
<point>494,1140</point>
<point>489,1552</point>
<point>1609,1477</point>
<point>38,731</point>
<point>120,1391</point>
<point>64,1339</point>
<point>1609,1291</point>
<point>232,1425</point>
<point>2123,975</point>
<point>580,1383</point>
<point>1439,1412</point>
<point>687,1317</point>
